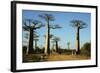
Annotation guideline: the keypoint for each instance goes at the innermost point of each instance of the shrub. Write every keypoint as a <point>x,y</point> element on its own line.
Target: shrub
<point>24,49</point>
<point>86,49</point>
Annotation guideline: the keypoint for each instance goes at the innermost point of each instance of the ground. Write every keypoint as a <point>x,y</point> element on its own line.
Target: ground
<point>66,57</point>
<point>53,57</point>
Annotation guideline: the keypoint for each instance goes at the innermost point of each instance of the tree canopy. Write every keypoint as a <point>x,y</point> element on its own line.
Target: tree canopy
<point>78,23</point>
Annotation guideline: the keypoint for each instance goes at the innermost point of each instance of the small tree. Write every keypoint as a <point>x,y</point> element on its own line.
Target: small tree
<point>56,39</point>
<point>78,24</point>
<point>35,38</point>
<point>68,44</point>
<point>31,25</point>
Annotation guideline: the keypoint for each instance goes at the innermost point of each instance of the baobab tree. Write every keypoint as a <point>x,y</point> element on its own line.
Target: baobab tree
<point>31,25</point>
<point>55,40</point>
<point>25,42</point>
<point>78,24</point>
<point>48,18</point>
<point>53,46</point>
<point>46,50</point>
<point>68,44</point>
<point>35,40</point>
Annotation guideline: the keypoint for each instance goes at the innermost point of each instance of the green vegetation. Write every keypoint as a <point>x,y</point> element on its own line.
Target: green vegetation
<point>86,49</point>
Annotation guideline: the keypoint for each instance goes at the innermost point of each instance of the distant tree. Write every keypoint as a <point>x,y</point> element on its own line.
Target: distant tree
<point>53,46</point>
<point>31,25</point>
<point>78,24</point>
<point>48,18</point>
<point>35,38</point>
<point>56,39</point>
<point>68,44</point>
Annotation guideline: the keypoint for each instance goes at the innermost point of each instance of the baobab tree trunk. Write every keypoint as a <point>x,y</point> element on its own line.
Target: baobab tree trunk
<point>35,44</point>
<point>68,45</point>
<point>47,43</point>
<point>30,49</point>
<point>56,46</point>
<point>77,42</point>
<point>53,47</point>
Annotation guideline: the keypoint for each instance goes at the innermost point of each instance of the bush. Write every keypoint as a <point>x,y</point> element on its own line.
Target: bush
<point>24,49</point>
<point>86,49</point>
<point>39,50</point>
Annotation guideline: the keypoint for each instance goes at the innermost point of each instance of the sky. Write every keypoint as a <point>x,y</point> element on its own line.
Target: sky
<point>67,33</point>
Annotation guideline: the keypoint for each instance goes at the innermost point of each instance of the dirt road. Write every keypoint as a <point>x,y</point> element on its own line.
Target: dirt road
<point>61,57</point>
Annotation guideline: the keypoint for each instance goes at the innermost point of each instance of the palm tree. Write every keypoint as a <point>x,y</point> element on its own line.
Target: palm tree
<point>55,40</point>
<point>31,25</point>
<point>48,18</point>
<point>78,24</point>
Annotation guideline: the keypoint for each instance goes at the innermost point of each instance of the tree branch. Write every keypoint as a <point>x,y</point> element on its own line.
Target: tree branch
<point>55,26</point>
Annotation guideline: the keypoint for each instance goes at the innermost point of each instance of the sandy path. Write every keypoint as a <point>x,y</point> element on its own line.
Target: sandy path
<point>58,57</point>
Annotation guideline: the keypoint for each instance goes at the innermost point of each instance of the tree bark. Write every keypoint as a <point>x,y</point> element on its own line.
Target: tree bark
<point>35,44</point>
<point>57,47</point>
<point>30,49</point>
<point>47,43</point>
<point>77,42</point>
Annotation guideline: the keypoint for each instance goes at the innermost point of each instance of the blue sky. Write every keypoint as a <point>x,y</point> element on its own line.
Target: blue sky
<point>66,33</point>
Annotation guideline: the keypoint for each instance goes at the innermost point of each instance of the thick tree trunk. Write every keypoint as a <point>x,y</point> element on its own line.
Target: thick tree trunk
<point>57,47</point>
<point>47,43</point>
<point>30,49</point>
<point>77,42</point>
